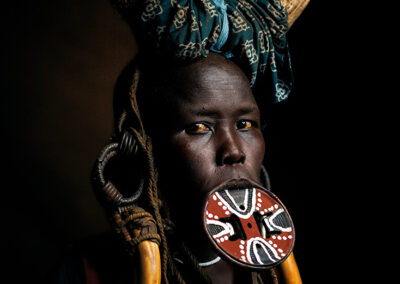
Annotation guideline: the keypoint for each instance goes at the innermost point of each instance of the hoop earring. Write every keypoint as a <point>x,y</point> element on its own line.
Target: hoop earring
<point>105,189</point>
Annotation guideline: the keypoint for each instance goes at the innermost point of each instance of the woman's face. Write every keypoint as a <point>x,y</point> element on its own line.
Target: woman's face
<point>215,139</point>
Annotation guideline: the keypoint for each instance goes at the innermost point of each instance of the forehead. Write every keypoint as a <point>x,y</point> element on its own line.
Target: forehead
<point>214,82</point>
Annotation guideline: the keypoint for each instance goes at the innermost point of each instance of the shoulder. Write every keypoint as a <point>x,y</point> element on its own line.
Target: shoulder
<point>95,260</point>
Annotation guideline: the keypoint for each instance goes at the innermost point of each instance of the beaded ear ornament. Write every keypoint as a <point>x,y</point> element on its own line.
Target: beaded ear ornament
<point>249,226</point>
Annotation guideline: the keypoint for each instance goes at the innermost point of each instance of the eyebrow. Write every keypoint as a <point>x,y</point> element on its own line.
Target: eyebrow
<point>211,113</point>
<point>247,110</point>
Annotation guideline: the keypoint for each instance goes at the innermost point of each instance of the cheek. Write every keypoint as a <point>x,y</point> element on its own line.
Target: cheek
<point>192,157</point>
<point>256,151</point>
<point>261,147</point>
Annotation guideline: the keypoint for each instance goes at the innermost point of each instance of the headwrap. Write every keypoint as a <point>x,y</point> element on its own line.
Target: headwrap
<point>251,32</point>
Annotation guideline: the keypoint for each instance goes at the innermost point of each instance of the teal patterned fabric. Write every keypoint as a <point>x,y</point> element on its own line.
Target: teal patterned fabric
<point>252,32</point>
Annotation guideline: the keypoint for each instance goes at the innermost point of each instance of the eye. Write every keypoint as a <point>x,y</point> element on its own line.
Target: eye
<point>245,124</point>
<point>197,128</point>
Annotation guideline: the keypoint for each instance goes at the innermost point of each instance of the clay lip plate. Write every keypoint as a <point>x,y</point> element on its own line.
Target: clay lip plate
<point>242,251</point>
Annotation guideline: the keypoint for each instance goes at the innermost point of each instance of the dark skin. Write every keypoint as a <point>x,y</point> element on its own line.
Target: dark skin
<point>215,138</point>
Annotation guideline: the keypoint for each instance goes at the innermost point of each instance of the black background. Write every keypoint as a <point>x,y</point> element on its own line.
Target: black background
<point>60,62</point>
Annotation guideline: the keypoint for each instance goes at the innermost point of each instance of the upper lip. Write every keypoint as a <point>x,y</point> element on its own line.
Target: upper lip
<point>236,184</point>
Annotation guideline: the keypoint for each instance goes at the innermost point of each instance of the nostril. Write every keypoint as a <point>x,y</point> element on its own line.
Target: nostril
<point>236,157</point>
<point>233,159</point>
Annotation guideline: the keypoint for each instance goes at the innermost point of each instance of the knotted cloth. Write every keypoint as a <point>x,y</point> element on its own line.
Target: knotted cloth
<point>251,32</point>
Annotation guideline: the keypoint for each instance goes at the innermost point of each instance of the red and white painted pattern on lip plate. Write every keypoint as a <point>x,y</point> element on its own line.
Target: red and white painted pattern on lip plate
<point>274,247</point>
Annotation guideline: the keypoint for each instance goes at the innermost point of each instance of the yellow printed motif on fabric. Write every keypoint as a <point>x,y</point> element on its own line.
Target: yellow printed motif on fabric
<point>238,23</point>
<point>195,24</point>
<point>253,78</point>
<point>151,10</point>
<point>264,44</point>
<point>180,16</point>
<point>192,49</point>
<point>250,51</point>
<point>282,90</point>
<point>210,8</point>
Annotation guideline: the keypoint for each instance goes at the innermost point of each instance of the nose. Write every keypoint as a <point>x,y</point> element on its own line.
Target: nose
<point>230,150</point>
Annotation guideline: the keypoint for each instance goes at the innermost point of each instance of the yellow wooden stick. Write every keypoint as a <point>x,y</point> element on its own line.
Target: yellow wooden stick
<point>290,271</point>
<point>150,262</point>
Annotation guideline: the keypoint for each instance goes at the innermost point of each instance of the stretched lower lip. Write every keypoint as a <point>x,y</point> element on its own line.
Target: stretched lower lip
<point>236,184</point>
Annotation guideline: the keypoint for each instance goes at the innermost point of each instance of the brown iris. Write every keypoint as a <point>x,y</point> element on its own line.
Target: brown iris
<point>244,124</point>
<point>197,128</point>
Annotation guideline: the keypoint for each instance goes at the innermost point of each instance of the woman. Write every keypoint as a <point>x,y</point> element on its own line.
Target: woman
<point>189,114</point>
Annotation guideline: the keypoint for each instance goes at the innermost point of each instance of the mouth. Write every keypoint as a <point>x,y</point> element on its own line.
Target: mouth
<point>237,184</point>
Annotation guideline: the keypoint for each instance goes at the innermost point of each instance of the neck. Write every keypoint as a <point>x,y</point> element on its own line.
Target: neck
<point>220,272</point>
<point>202,249</point>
